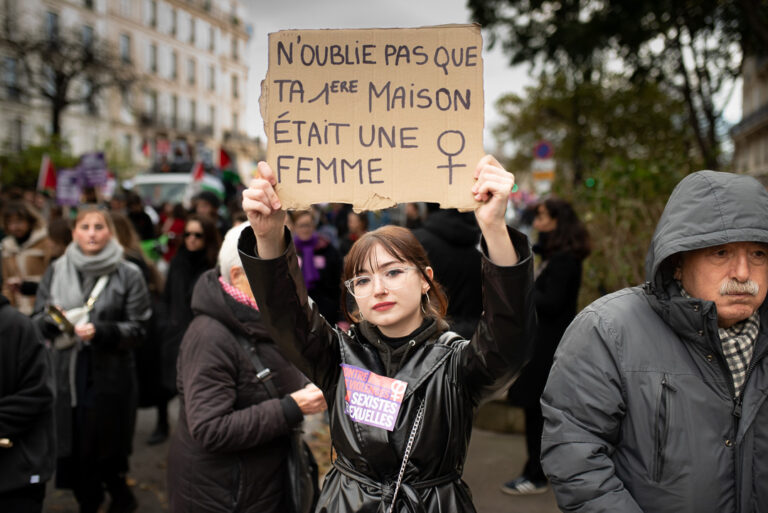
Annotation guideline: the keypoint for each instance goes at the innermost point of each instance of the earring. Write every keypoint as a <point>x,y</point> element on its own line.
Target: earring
<point>423,310</point>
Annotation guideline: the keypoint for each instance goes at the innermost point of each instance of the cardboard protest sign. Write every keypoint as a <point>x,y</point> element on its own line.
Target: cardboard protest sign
<point>374,117</point>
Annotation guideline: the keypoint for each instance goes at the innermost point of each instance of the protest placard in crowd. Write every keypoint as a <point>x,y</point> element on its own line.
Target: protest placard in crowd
<point>374,117</point>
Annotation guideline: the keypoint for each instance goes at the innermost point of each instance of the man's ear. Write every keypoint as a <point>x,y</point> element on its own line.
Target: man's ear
<point>678,266</point>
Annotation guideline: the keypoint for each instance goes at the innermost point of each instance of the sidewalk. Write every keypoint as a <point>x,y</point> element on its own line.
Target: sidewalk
<point>493,458</point>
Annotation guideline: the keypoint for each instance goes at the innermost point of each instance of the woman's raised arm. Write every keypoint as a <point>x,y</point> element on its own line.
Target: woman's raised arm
<point>492,188</point>
<point>263,208</point>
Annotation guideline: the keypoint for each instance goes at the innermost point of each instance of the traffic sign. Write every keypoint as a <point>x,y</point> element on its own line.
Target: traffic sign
<point>542,150</point>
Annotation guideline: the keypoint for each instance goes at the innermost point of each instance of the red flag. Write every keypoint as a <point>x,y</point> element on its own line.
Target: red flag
<point>145,149</point>
<point>224,160</point>
<point>46,180</point>
<point>197,172</point>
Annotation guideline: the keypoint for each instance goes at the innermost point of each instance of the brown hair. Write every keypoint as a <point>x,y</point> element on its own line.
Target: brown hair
<point>91,208</point>
<point>22,210</point>
<point>403,246</point>
<point>211,237</point>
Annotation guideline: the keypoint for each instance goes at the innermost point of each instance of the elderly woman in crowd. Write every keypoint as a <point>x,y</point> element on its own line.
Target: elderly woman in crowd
<point>25,252</point>
<point>94,305</point>
<point>229,449</point>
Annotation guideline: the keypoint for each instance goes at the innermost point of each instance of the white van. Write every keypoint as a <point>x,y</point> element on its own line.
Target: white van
<point>158,188</point>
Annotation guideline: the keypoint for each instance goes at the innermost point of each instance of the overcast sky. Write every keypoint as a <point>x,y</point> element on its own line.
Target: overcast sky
<point>267,16</point>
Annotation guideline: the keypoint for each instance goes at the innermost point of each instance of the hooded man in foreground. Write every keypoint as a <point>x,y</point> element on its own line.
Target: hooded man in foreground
<point>657,398</point>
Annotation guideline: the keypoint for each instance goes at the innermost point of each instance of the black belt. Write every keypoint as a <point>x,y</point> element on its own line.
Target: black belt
<point>387,489</point>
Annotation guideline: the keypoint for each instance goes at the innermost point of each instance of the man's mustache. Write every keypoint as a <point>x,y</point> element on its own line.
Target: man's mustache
<point>737,287</point>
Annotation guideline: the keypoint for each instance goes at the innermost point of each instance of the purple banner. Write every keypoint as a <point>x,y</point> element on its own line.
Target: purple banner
<point>68,187</point>
<point>93,167</point>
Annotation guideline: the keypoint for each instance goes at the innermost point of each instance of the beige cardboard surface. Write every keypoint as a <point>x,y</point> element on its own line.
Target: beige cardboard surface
<point>374,117</point>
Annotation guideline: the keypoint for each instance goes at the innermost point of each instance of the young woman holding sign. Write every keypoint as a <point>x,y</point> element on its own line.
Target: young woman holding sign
<point>400,389</point>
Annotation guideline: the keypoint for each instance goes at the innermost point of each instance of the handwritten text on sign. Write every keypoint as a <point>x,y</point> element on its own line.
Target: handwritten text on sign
<point>374,117</point>
<point>372,399</point>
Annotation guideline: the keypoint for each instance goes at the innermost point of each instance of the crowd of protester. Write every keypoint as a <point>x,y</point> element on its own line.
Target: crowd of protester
<point>119,305</point>
<point>105,349</point>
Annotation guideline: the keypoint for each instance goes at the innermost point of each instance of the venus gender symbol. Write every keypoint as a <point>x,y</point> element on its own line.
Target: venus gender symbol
<point>452,142</point>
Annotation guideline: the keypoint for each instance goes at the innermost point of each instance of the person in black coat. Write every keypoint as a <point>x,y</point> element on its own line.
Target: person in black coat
<point>26,413</point>
<point>230,447</point>
<point>450,238</point>
<point>563,244</point>
<point>148,354</point>
<point>196,255</point>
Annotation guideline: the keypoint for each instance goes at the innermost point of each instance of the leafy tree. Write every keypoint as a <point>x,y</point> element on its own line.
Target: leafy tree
<point>22,168</point>
<point>64,67</point>
<point>628,143</point>
<point>691,48</point>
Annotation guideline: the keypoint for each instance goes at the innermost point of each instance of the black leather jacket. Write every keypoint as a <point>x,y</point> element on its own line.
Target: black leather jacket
<point>451,375</point>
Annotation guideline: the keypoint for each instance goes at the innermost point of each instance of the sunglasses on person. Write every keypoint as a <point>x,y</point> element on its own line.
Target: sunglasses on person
<point>197,235</point>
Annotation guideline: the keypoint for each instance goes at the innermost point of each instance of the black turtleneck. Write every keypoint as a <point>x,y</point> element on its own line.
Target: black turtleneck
<point>396,342</point>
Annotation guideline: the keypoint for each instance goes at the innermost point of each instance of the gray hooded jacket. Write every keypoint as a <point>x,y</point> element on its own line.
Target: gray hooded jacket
<point>639,407</point>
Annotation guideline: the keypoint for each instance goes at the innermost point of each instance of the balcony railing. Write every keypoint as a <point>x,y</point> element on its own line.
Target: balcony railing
<point>180,125</point>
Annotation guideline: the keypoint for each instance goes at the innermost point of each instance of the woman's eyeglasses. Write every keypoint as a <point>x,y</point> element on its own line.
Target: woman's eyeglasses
<point>391,278</point>
<point>197,235</point>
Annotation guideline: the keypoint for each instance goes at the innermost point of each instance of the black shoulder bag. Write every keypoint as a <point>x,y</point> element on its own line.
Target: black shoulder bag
<point>301,483</point>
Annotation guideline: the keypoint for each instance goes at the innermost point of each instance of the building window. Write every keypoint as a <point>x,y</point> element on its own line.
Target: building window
<point>235,89</point>
<point>52,26</point>
<point>174,65</point>
<point>192,114</point>
<point>153,58</point>
<point>235,123</point>
<point>128,147</point>
<point>192,31</point>
<point>174,22</point>
<point>87,36</point>
<point>153,14</point>
<point>212,117</point>
<point>125,48</point>
<point>234,48</point>
<point>11,79</point>
<point>90,99</point>
<point>174,110</point>
<point>212,39</point>
<point>150,103</point>
<point>191,71</point>
<point>211,78</point>
<point>88,4</point>
<point>17,134</point>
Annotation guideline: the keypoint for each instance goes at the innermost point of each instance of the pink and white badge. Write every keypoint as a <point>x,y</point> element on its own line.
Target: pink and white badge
<point>372,399</point>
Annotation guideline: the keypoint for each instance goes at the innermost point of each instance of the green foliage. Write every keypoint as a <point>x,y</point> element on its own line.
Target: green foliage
<point>21,169</point>
<point>119,161</point>
<point>620,149</point>
<point>621,211</point>
<point>690,49</point>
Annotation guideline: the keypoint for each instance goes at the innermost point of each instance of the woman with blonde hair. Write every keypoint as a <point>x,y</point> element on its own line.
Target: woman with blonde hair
<point>93,305</point>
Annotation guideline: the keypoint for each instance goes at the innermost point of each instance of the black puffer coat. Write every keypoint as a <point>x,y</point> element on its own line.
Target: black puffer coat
<point>450,375</point>
<point>26,402</point>
<point>229,448</point>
